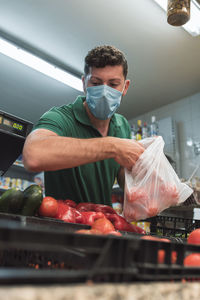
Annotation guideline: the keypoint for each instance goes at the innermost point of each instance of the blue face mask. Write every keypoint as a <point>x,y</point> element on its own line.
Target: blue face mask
<point>103,101</point>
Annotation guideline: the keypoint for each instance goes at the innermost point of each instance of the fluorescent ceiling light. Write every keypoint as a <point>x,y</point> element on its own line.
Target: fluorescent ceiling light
<point>193,25</point>
<point>39,64</point>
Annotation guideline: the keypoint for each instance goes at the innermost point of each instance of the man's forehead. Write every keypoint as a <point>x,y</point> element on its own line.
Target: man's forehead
<point>110,72</point>
<point>101,78</point>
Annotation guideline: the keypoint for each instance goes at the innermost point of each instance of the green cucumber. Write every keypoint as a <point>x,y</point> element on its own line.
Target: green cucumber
<point>11,201</point>
<point>33,196</point>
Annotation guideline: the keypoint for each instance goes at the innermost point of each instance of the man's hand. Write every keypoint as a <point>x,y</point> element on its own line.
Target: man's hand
<point>127,152</point>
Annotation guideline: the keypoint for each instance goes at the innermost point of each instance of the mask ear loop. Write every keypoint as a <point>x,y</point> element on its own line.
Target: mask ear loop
<point>123,88</point>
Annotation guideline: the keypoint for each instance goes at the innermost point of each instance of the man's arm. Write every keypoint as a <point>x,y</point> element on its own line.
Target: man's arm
<point>44,150</point>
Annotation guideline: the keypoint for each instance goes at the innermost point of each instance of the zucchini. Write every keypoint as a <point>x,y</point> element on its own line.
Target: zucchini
<point>33,197</point>
<point>11,201</point>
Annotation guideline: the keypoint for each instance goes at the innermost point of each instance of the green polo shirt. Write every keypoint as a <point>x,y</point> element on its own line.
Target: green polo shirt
<point>90,182</point>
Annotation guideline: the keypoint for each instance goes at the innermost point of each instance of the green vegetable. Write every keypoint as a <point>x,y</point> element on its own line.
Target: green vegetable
<point>11,201</point>
<point>33,196</point>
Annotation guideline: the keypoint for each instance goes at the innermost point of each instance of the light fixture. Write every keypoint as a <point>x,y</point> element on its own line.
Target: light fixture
<point>189,142</point>
<point>33,61</point>
<point>193,25</point>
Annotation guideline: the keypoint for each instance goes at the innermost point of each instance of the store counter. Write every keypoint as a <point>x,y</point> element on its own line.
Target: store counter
<point>134,291</point>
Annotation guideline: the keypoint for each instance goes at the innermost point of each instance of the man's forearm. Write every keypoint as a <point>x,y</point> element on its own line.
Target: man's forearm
<point>44,150</point>
<point>54,152</point>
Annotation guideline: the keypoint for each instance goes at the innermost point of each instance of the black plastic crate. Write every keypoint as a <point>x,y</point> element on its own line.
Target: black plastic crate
<point>37,254</point>
<point>43,250</point>
<point>172,226</point>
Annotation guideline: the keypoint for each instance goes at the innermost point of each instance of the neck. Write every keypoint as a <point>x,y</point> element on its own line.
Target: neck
<point>101,125</point>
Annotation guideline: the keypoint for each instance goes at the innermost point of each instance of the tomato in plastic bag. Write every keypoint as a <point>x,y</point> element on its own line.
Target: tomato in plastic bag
<point>152,185</point>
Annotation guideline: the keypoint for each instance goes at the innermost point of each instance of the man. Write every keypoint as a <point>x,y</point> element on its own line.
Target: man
<point>84,146</point>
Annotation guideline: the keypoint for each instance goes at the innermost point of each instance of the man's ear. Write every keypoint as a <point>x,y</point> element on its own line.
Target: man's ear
<point>84,85</point>
<point>127,83</point>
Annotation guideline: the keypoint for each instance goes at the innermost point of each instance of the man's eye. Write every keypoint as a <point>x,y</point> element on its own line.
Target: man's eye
<point>95,83</point>
<point>113,85</point>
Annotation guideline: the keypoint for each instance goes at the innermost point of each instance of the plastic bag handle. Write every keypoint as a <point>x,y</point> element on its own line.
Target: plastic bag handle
<point>193,173</point>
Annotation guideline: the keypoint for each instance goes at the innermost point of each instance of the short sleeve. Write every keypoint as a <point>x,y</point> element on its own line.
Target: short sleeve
<point>51,120</point>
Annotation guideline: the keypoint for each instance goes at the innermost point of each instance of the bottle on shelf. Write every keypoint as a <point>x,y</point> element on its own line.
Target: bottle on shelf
<point>133,132</point>
<point>139,130</point>
<point>153,127</point>
<point>144,131</point>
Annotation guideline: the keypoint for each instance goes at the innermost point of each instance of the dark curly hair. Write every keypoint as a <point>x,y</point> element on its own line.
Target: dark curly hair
<point>102,56</point>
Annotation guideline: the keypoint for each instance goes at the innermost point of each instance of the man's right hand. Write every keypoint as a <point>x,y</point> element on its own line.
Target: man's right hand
<point>127,152</point>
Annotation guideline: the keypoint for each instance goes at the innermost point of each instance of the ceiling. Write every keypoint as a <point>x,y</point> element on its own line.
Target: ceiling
<point>164,61</point>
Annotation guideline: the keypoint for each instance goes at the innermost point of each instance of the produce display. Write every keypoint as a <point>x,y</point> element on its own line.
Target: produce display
<point>86,213</point>
<point>100,217</point>
<point>103,220</point>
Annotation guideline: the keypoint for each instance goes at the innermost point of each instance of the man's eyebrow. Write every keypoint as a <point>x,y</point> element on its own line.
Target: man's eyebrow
<point>115,79</point>
<point>96,78</point>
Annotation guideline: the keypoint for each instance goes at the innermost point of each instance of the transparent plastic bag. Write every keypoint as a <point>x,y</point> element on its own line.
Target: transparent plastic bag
<point>152,185</point>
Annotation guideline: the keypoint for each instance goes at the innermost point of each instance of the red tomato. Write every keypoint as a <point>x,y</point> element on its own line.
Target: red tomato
<point>161,256</point>
<point>194,237</point>
<point>154,238</point>
<point>103,225</point>
<point>137,194</point>
<point>164,240</point>
<point>114,233</point>
<point>174,257</point>
<point>83,231</point>
<point>95,231</point>
<point>149,237</point>
<point>48,207</point>
<point>161,252</point>
<point>192,260</point>
<point>88,231</point>
<point>152,211</point>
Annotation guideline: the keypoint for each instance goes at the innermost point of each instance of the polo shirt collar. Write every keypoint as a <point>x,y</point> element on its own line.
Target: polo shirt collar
<point>114,126</point>
<point>81,115</point>
<point>80,112</point>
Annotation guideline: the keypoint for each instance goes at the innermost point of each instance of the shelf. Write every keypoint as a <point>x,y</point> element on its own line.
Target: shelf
<point>20,170</point>
<point>3,190</point>
<point>18,165</point>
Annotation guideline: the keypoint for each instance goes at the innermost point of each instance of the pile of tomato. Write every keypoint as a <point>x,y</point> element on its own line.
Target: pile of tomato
<point>103,219</point>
